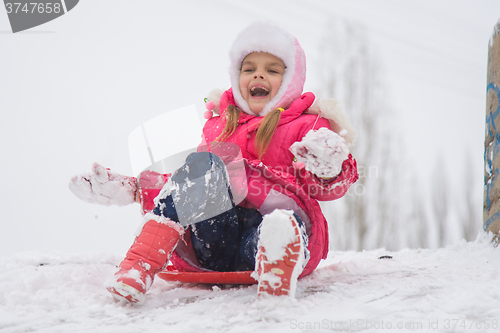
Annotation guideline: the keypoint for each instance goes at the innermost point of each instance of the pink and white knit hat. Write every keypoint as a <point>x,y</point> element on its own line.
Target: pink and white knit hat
<point>267,37</point>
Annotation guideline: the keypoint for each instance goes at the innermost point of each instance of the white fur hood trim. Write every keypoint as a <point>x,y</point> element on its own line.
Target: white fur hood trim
<point>265,36</point>
<point>329,108</point>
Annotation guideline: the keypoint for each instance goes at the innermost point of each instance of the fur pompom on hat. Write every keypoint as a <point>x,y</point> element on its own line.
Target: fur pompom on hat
<point>267,37</point>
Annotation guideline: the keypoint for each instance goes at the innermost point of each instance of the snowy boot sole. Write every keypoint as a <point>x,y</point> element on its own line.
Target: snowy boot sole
<point>280,254</point>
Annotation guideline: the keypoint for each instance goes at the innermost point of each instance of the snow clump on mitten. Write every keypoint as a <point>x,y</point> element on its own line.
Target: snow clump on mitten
<point>322,151</point>
<point>104,187</point>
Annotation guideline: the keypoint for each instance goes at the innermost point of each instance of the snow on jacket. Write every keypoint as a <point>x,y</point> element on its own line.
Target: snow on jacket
<point>273,182</point>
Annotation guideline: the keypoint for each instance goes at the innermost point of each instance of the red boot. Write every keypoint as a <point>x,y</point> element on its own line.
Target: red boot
<point>280,254</point>
<point>147,256</point>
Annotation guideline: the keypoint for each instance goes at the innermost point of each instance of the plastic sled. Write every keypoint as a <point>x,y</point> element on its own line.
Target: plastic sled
<point>173,275</point>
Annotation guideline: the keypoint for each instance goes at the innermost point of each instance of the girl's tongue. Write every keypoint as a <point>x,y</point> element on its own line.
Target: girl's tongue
<point>259,91</point>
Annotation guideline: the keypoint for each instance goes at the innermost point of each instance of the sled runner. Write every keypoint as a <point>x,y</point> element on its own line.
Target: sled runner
<point>172,275</point>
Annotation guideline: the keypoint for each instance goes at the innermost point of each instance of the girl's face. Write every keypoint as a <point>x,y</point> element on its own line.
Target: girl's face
<point>260,78</point>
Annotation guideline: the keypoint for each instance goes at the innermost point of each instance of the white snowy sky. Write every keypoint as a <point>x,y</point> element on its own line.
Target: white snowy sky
<point>73,89</point>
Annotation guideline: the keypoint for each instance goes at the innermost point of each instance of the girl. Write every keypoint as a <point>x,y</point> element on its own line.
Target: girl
<point>247,200</point>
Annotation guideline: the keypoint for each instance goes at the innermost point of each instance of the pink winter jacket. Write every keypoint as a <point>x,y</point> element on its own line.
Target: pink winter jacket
<point>273,182</point>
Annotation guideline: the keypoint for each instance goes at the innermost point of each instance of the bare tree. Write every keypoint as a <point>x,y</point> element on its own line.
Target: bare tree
<point>351,72</point>
<point>441,200</point>
<point>417,230</point>
<point>386,207</point>
<point>470,217</point>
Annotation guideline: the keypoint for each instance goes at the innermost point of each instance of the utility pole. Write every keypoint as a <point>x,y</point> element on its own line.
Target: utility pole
<point>491,205</point>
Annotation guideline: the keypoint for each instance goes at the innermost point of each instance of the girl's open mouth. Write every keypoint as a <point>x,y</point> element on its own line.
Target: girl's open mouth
<point>259,91</point>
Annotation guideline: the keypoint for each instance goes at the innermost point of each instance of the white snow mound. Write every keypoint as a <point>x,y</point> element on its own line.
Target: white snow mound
<point>428,290</point>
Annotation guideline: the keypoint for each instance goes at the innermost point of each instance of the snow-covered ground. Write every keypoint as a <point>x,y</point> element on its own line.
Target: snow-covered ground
<point>452,289</point>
